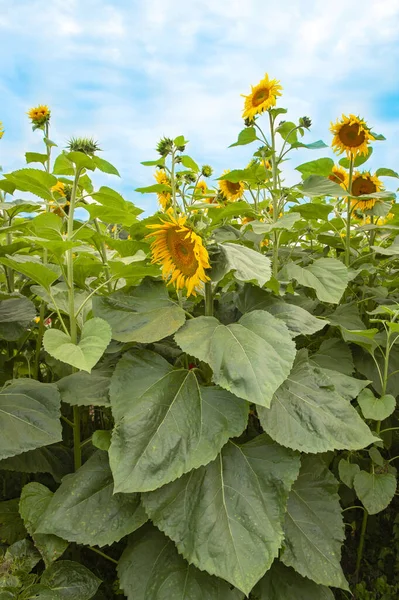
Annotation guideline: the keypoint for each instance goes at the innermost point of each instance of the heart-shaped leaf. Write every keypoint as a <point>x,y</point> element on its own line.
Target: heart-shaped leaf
<point>96,335</point>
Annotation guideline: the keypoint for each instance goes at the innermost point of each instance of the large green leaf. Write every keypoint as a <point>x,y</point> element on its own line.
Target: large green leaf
<point>35,498</point>
<point>29,416</point>
<point>311,210</point>
<point>347,316</point>
<point>12,526</point>
<point>375,490</point>
<point>283,583</point>
<point>287,221</point>
<point>321,166</point>
<point>327,276</point>
<point>68,580</point>
<point>150,568</point>
<point>36,181</point>
<point>245,263</point>
<point>113,208</point>
<point>16,313</point>
<point>33,268</point>
<point>314,528</point>
<point>85,509</point>
<point>85,389</point>
<point>145,315</point>
<point>315,185</point>
<point>246,136</point>
<point>96,335</point>
<point>334,354</point>
<point>226,518</point>
<point>298,320</point>
<point>166,424</point>
<point>309,415</point>
<point>105,166</point>
<point>250,358</point>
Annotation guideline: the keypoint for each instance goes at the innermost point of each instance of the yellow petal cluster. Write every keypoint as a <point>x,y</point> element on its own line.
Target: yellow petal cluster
<point>351,135</point>
<point>262,97</point>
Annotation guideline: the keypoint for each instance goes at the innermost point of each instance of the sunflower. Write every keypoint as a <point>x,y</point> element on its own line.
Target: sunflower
<point>201,187</point>
<point>1,130</point>
<point>231,191</point>
<point>163,197</point>
<point>262,97</point>
<point>181,253</point>
<point>351,135</point>
<point>59,187</point>
<point>339,175</point>
<point>39,115</point>
<point>365,183</point>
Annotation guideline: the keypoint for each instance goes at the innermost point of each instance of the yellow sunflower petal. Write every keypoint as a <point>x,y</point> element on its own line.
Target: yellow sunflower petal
<point>164,198</point>
<point>262,97</point>
<point>231,191</point>
<point>351,135</point>
<point>365,183</point>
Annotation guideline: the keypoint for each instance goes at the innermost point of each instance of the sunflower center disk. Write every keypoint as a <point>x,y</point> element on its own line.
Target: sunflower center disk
<point>352,135</point>
<point>363,186</point>
<point>182,252</point>
<point>233,188</point>
<point>260,96</point>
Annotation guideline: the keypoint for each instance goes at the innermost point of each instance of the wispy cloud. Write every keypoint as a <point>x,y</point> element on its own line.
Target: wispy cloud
<point>128,72</point>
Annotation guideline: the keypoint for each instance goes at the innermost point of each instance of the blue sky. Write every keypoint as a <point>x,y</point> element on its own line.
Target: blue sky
<point>128,72</point>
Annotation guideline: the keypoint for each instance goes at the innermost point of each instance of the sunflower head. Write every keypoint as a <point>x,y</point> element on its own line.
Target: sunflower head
<point>206,171</point>
<point>86,145</point>
<point>305,122</point>
<point>165,146</point>
<point>59,188</point>
<point>339,175</point>
<point>351,135</point>
<point>262,97</point>
<point>365,183</point>
<point>1,130</point>
<point>181,253</point>
<point>230,190</point>
<point>40,115</point>
<point>201,187</point>
<point>164,198</point>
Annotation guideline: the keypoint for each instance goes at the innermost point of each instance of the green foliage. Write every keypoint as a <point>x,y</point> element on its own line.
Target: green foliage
<point>212,402</point>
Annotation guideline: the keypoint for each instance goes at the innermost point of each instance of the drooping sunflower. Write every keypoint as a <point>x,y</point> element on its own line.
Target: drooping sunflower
<point>365,183</point>
<point>59,187</point>
<point>262,97</point>
<point>1,130</point>
<point>339,175</point>
<point>181,253</point>
<point>231,191</point>
<point>164,198</point>
<point>201,187</point>
<point>39,115</point>
<point>351,135</point>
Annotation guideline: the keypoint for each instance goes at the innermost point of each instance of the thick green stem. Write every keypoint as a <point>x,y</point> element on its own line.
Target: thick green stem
<point>274,197</point>
<point>208,300</point>
<point>173,183</point>
<point>361,544</point>
<point>348,216</point>
<point>77,452</point>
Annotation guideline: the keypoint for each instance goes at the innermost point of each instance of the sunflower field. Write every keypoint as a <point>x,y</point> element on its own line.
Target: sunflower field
<point>201,404</point>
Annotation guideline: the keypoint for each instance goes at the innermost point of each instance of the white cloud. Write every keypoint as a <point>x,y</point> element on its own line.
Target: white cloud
<point>128,72</point>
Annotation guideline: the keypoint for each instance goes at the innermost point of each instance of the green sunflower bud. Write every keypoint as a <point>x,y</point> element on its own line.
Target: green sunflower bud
<point>165,146</point>
<point>206,171</point>
<point>86,145</point>
<point>305,122</point>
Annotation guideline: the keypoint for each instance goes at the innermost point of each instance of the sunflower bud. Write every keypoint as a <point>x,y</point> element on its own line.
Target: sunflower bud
<point>206,171</point>
<point>180,148</point>
<point>190,177</point>
<point>86,145</point>
<point>165,146</point>
<point>305,122</point>
<point>248,122</point>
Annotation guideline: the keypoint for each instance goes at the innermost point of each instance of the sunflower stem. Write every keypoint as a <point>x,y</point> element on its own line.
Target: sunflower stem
<point>274,196</point>
<point>173,183</point>
<point>348,215</point>
<point>208,299</point>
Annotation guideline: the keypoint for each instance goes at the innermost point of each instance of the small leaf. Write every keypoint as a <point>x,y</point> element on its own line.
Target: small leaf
<point>375,490</point>
<point>68,580</point>
<point>250,358</point>
<point>85,389</point>
<point>245,263</point>
<point>105,166</point>
<point>63,166</point>
<point>189,163</point>
<point>16,314</point>
<point>101,439</point>
<point>283,583</point>
<point>310,210</point>
<point>374,408</point>
<point>347,472</point>
<point>321,166</point>
<point>287,222</point>
<point>32,157</point>
<point>246,136</point>
<point>359,160</point>
<point>321,186</point>
<point>96,335</point>
<point>327,276</point>
<point>386,173</point>
<point>81,160</point>
<point>33,268</point>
